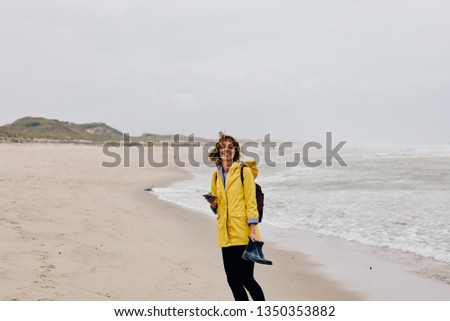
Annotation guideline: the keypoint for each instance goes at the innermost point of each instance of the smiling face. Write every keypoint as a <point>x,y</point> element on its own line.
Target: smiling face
<point>227,151</point>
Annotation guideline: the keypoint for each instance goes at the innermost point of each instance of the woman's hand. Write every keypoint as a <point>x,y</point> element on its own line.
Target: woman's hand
<point>212,200</point>
<point>213,203</point>
<point>253,233</point>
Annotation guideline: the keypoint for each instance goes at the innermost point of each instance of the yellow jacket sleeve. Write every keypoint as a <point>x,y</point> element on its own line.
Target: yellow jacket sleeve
<point>250,197</point>
<point>214,190</point>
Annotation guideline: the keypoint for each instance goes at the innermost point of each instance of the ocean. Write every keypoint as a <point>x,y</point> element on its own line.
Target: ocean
<point>386,197</point>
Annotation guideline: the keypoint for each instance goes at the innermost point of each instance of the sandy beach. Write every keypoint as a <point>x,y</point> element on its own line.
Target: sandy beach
<point>71,229</point>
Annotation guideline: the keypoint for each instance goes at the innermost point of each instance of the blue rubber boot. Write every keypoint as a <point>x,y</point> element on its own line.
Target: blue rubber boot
<point>251,253</point>
<point>261,255</point>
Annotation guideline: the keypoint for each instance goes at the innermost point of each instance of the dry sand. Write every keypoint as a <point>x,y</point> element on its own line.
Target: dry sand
<point>71,229</point>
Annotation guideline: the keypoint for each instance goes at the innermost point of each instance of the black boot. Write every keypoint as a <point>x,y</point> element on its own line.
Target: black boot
<point>251,253</point>
<point>259,245</point>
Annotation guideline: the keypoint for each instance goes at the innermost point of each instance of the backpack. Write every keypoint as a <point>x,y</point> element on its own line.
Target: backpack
<point>259,196</point>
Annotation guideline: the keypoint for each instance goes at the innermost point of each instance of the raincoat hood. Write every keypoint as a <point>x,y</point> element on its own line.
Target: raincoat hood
<point>253,167</point>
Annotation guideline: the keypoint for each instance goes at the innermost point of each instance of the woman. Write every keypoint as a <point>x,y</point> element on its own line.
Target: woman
<point>233,200</point>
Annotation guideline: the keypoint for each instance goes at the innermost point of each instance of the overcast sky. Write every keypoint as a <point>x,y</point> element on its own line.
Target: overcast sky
<point>373,71</point>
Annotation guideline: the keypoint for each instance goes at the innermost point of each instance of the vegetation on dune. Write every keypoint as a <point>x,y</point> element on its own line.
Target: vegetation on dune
<point>39,129</point>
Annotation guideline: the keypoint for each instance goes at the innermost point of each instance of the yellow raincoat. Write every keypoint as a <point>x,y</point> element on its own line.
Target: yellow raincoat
<point>236,207</point>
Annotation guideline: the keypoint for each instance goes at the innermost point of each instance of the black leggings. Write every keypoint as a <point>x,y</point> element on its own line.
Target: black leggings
<point>240,274</point>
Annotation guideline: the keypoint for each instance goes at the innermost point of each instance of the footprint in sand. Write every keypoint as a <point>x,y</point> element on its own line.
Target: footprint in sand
<point>45,279</point>
<point>48,267</point>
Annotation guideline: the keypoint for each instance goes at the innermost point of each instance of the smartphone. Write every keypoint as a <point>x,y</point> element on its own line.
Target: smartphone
<point>209,196</point>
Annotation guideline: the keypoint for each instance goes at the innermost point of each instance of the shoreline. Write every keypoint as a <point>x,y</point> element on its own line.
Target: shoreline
<point>74,230</point>
<point>366,271</point>
<point>377,274</point>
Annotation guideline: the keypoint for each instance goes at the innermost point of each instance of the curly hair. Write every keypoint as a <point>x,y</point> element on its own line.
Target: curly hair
<point>214,155</point>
